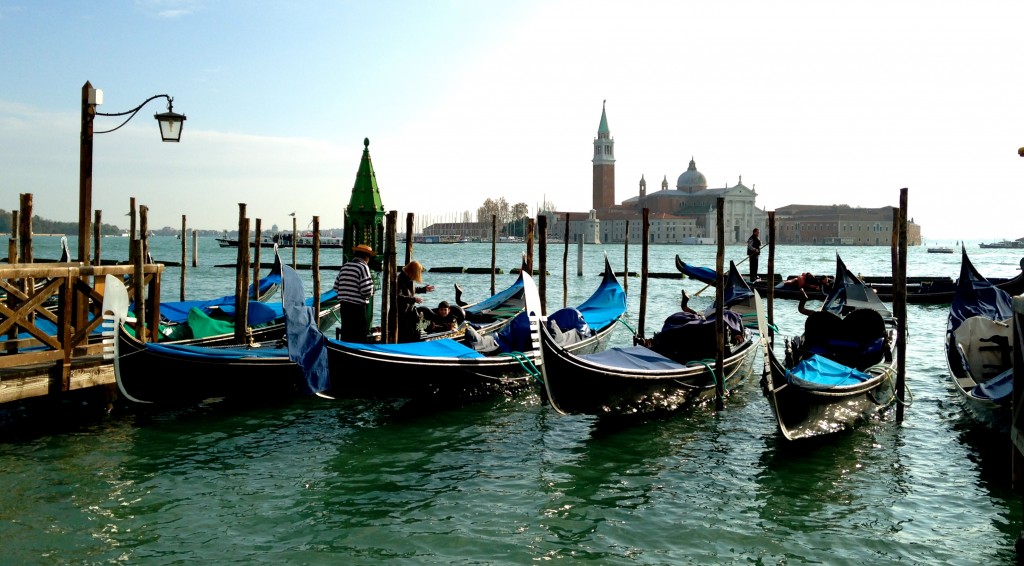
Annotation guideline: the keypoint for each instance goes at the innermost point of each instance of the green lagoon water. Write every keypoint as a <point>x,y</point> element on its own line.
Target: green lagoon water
<point>509,481</point>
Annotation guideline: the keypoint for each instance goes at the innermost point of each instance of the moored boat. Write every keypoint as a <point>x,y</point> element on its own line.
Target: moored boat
<point>979,347</point>
<point>674,371</point>
<point>840,370</point>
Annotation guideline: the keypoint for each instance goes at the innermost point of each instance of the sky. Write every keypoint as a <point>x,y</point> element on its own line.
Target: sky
<point>809,102</point>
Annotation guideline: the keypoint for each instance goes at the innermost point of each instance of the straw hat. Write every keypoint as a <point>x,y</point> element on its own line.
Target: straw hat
<point>364,249</point>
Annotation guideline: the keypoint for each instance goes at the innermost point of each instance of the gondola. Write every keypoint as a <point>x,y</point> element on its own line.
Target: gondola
<point>841,370</point>
<point>159,373</point>
<point>979,347</point>
<point>920,290</point>
<point>475,365</point>
<point>676,371</point>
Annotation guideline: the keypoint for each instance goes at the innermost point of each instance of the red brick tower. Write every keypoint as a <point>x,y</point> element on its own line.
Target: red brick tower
<point>604,165</point>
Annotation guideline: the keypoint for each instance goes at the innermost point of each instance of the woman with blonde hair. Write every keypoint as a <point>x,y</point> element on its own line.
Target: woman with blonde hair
<point>408,317</point>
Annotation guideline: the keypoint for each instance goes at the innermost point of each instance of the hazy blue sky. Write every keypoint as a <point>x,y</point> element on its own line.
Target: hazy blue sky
<point>810,102</point>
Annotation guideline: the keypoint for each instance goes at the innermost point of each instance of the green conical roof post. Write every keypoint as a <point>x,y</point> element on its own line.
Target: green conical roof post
<point>602,128</point>
<point>364,215</point>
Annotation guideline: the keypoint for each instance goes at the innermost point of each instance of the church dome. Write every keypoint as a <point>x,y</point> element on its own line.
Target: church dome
<point>691,181</point>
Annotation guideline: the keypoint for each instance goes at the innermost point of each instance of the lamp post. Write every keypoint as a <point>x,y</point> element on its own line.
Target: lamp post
<point>170,122</point>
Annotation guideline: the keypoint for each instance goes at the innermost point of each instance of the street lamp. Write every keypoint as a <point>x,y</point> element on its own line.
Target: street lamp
<point>170,122</point>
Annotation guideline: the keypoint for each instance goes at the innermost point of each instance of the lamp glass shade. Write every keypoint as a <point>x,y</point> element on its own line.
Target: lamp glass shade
<point>171,124</point>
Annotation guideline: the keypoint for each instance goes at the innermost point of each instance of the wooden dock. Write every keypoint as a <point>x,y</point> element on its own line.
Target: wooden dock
<point>36,298</point>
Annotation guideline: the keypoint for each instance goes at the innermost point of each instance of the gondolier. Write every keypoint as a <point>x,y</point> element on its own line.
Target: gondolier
<point>753,251</point>
<point>355,289</point>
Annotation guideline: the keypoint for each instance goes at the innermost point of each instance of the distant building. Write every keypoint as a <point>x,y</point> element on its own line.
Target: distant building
<point>839,225</point>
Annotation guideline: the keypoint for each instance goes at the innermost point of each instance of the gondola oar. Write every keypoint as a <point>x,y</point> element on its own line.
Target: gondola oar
<point>740,263</point>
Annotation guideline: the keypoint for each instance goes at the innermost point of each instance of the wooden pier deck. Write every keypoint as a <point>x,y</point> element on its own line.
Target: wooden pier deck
<point>36,298</point>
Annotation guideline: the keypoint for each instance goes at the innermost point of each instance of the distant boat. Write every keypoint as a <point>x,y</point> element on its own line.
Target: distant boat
<point>1005,244</point>
<point>284,240</point>
<point>941,250</point>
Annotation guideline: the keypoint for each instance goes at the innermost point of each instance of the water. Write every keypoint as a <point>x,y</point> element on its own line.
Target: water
<point>509,480</point>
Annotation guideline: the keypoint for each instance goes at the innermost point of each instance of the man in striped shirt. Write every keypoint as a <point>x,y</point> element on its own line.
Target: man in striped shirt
<point>355,289</point>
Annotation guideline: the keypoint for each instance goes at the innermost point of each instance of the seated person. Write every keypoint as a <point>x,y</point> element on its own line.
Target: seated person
<point>807,280</point>
<point>443,319</point>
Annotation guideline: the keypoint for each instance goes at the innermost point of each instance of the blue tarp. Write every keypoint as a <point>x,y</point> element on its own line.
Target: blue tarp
<point>306,344</point>
<point>998,389</point>
<point>819,372</point>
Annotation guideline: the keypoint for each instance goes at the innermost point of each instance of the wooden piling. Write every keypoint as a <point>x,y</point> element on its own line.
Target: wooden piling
<point>12,243</point>
<point>719,307</point>
<point>625,260</point>
<point>645,230</point>
<point>144,231</point>
<point>25,229</point>
<point>139,291</point>
<point>542,251</point>
<point>132,227</point>
<point>97,233</point>
<point>195,248</point>
<point>256,253</point>
<point>529,245</point>
<point>242,277</point>
<point>315,266</point>
<point>900,306</point>
<point>391,272</point>
<point>771,274</point>
<point>494,249</point>
<point>565,264</point>
<point>295,241</point>
<point>409,219</point>
<point>184,254</point>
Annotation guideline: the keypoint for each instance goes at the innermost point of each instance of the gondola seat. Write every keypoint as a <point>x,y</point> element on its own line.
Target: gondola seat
<point>856,340</point>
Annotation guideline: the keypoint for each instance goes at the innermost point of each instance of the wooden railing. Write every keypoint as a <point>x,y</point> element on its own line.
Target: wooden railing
<point>70,296</point>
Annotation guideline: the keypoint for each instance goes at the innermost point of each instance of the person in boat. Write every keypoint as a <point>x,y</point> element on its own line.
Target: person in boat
<point>443,319</point>
<point>753,252</point>
<point>408,316</point>
<point>807,280</point>
<point>355,289</point>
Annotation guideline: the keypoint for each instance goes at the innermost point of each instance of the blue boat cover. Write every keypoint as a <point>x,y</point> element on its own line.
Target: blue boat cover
<point>605,305</point>
<point>443,348</point>
<point>998,389</point>
<point>819,372</point>
<point>497,300</point>
<point>737,289</point>
<point>633,357</point>
<point>976,296</point>
<point>306,344</point>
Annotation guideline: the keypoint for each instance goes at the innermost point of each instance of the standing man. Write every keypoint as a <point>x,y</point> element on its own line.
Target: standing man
<point>355,288</point>
<point>753,251</point>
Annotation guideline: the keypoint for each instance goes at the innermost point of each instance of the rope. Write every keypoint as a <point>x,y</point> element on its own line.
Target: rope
<point>626,324</point>
<point>526,363</point>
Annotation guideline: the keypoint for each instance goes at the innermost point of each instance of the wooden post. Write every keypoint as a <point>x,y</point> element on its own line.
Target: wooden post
<point>565,265</point>
<point>409,219</point>
<point>258,243</point>
<point>242,277</point>
<point>542,251</point>
<point>386,278</point>
<point>144,231</point>
<point>494,248</point>
<point>12,244</point>
<point>529,246</point>
<point>184,254</point>
<point>195,248</point>
<point>625,260</point>
<point>719,307</point>
<point>645,230</point>
<point>579,256</point>
<point>96,228</point>
<point>315,266</point>
<point>900,305</point>
<point>85,172</point>
<point>140,290</point>
<point>771,274</point>
<point>295,241</point>
<point>391,233</point>
<point>25,229</point>
<point>132,227</point>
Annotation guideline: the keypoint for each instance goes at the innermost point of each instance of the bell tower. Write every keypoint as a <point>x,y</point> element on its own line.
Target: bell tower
<point>604,165</point>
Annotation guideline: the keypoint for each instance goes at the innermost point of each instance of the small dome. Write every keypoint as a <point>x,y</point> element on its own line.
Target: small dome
<point>691,180</point>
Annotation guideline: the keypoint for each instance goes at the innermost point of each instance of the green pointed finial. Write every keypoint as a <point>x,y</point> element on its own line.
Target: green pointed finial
<point>366,142</point>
